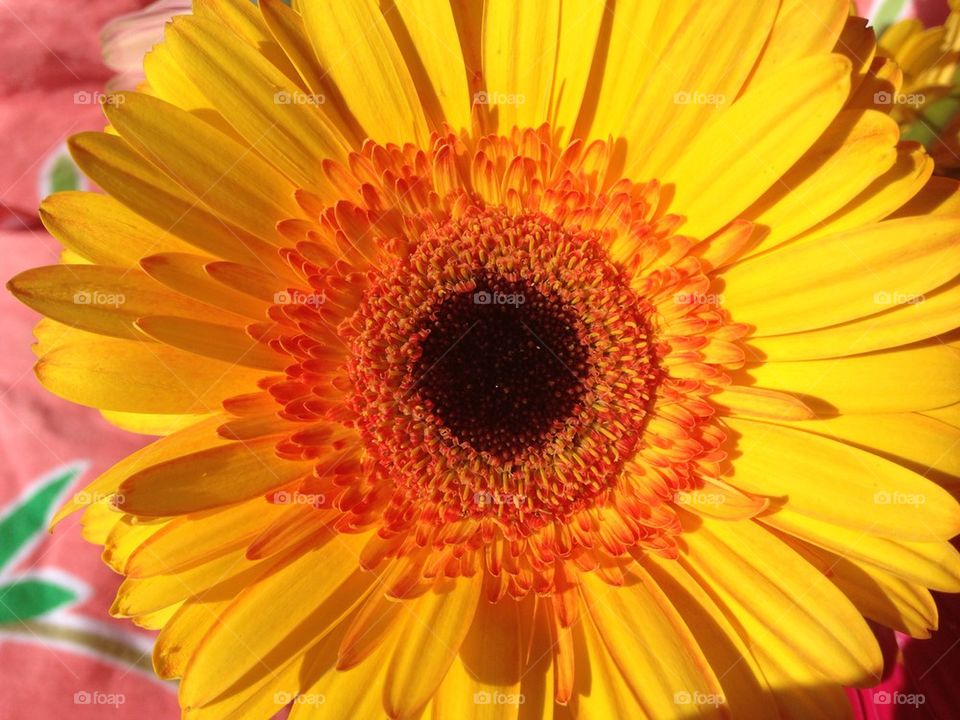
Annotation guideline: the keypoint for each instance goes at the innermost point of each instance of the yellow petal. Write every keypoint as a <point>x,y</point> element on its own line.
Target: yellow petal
<point>151,423</point>
<point>433,42</point>
<point>102,230</point>
<point>434,634</point>
<point>191,540</point>
<point>580,24</point>
<point>116,167</point>
<point>839,484</point>
<point>754,402</point>
<point>114,374</point>
<point>746,149</point>
<point>917,377</point>
<point>186,274</point>
<point>210,164</point>
<point>788,613</point>
<point>228,662</point>
<point>918,318</point>
<point>484,680</point>
<point>371,74</point>
<point>932,564</point>
<point>210,478</point>
<point>694,82</point>
<point>744,686</point>
<point>902,258</point>
<point>519,55</point>
<point>803,28</point>
<point>924,444</point>
<point>222,342</point>
<point>880,596</point>
<point>275,116</point>
<point>103,300</point>
<point>855,150</point>
<point>651,645</point>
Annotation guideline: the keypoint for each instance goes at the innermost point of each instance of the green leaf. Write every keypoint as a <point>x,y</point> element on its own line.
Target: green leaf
<point>31,597</point>
<point>24,521</point>
<point>64,175</point>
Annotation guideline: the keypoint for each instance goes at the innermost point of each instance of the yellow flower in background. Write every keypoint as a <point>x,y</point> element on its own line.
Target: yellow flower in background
<point>518,359</point>
<point>921,67</point>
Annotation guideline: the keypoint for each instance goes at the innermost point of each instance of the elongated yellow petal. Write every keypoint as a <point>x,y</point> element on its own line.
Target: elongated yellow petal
<point>228,662</point>
<point>935,565</point>
<point>230,344</point>
<point>103,231</point>
<point>210,164</point>
<point>116,167</point>
<point>651,645</point>
<point>924,444</point>
<point>918,318</point>
<point>434,635</point>
<point>880,596</point>
<point>694,82</point>
<point>839,484</point>
<point>115,374</point>
<point>789,614</point>
<point>208,479</point>
<point>880,382</point>
<point>858,148</point>
<point>745,689</point>
<point>484,680</point>
<point>744,150</point>
<point>432,32</point>
<point>897,258</point>
<point>104,300</point>
<point>353,42</point>
<point>272,114</point>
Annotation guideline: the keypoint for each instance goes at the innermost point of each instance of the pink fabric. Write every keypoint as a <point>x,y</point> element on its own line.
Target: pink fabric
<point>49,54</point>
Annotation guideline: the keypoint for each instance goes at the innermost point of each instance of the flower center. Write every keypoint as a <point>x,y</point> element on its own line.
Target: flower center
<point>502,366</point>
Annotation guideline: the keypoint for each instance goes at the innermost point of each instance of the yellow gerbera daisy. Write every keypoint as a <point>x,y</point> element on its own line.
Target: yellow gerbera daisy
<point>515,359</point>
<point>921,68</point>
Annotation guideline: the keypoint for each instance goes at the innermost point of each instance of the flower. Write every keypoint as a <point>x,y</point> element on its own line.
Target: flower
<point>557,358</point>
<point>919,66</point>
